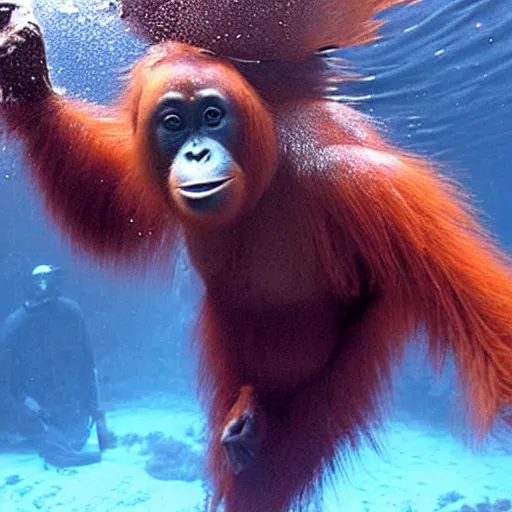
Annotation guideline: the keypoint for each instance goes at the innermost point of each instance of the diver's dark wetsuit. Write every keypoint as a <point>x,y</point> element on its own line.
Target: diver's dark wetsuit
<point>45,355</point>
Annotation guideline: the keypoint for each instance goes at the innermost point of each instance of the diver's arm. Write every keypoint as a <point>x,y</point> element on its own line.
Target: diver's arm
<point>89,373</point>
<point>106,439</point>
<point>90,396</point>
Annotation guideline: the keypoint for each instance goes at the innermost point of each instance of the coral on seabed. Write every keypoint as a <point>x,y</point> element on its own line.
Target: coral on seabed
<point>501,505</point>
<point>174,460</point>
<point>169,459</point>
<point>446,501</point>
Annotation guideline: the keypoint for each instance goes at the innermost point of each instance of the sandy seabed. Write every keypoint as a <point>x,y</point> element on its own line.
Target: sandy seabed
<point>416,468</point>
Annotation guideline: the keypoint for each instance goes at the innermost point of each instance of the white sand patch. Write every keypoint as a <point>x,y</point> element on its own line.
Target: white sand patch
<point>416,468</point>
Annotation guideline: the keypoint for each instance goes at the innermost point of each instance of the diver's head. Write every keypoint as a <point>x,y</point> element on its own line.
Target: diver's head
<point>44,284</point>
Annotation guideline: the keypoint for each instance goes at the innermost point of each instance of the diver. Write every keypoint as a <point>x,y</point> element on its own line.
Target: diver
<point>48,378</point>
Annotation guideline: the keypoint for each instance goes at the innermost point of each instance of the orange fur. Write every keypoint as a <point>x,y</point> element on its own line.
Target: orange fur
<point>379,247</point>
<point>81,157</point>
<point>420,238</point>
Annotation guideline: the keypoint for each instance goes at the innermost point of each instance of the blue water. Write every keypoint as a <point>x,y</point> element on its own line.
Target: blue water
<point>439,82</point>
